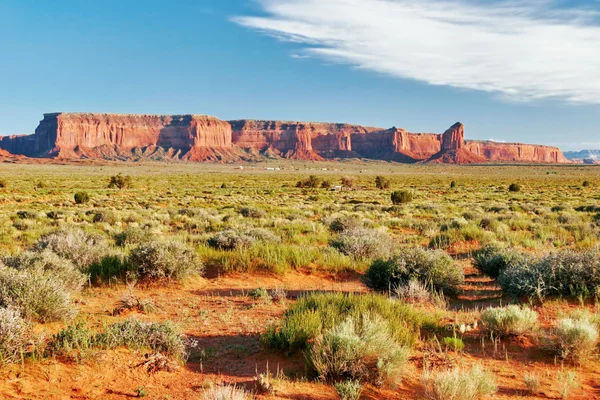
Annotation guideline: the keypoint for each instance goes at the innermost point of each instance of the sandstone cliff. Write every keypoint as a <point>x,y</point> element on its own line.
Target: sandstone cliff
<point>204,138</point>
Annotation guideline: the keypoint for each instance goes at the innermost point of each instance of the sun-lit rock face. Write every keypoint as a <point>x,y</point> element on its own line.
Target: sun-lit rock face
<point>204,138</point>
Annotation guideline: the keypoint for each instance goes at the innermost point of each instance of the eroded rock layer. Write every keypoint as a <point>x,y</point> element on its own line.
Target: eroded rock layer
<point>204,138</point>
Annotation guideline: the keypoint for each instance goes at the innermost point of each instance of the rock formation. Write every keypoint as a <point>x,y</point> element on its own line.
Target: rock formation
<point>204,138</point>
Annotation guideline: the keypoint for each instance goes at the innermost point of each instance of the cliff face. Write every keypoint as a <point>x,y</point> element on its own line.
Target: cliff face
<point>517,152</point>
<point>202,138</point>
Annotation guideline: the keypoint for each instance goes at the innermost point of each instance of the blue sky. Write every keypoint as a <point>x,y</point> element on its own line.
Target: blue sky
<point>508,72</point>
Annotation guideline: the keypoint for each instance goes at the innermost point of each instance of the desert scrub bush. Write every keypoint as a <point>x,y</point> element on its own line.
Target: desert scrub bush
<point>38,296</point>
<point>430,267</point>
<point>312,182</point>
<point>362,243</point>
<point>348,181</point>
<point>344,223</point>
<point>566,273</point>
<point>48,263</point>
<point>133,235</point>
<point>514,187</point>
<point>76,245</point>
<point>120,182</point>
<point>3,183</point>
<point>567,382</point>
<point>382,182</point>
<point>360,348</point>
<point>73,343</point>
<point>166,260</point>
<point>81,197</point>
<point>165,337</point>
<point>401,197</point>
<point>454,343</point>
<point>226,392</point>
<point>349,389</point>
<point>493,259</point>
<point>263,235</point>
<point>457,384</point>
<point>251,212</point>
<point>112,267</point>
<point>532,383</point>
<point>317,313</point>
<point>14,336</point>
<point>230,240</point>
<point>575,340</point>
<point>510,320</point>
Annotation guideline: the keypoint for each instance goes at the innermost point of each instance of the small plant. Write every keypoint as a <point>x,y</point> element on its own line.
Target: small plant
<point>14,336</point>
<point>261,294</point>
<point>74,244</point>
<point>3,183</point>
<point>226,392</point>
<point>401,197</point>
<point>120,182</point>
<point>532,383</point>
<point>575,340</point>
<point>511,320</point>
<point>129,301</point>
<point>349,390</point>
<point>279,295</point>
<point>342,224</point>
<point>251,212</point>
<point>567,382</point>
<point>141,392</point>
<point>382,183</point>
<point>73,343</point>
<point>81,197</point>
<point>457,384</point>
<point>452,184</point>
<point>586,184</point>
<point>165,261</point>
<point>230,240</point>
<point>326,184</point>
<point>514,187</point>
<point>454,343</point>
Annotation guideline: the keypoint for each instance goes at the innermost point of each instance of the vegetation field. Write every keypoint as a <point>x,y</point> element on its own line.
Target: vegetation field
<point>299,281</point>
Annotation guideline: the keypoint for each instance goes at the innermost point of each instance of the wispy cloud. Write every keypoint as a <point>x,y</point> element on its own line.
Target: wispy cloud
<point>522,52</point>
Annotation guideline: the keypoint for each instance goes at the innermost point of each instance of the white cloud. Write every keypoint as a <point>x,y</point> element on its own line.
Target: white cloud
<point>522,52</point>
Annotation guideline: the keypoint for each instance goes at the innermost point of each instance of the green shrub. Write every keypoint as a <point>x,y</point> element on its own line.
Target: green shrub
<point>14,336</point>
<point>362,243</point>
<point>251,212</point>
<point>317,313</point>
<point>120,182</point>
<point>452,185</point>
<point>165,261</point>
<point>343,223</point>
<point>348,181</point>
<point>165,338</point>
<point>575,340</point>
<point>510,320</point>
<point>514,187</point>
<point>38,296</point>
<point>454,343</point>
<point>74,244</point>
<point>349,389</point>
<point>3,183</point>
<point>46,262</point>
<point>74,343</point>
<point>457,384</point>
<point>81,197</point>
<point>586,183</point>
<point>133,236</point>
<point>382,182</point>
<point>358,348</point>
<point>110,267</point>
<point>402,197</point>
<point>430,267</point>
<point>491,260</point>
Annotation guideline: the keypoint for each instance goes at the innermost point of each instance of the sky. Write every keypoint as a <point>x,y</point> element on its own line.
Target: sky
<point>510,72</point>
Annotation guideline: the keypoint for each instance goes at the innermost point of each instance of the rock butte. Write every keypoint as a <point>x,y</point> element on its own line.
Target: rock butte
<point>205,138</point>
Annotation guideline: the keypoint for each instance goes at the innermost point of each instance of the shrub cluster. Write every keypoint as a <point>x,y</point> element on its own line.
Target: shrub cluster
<point>566,273</point>
<point>382,182</point>
<point>81,197</point>
<point>76,245</point>
<point>457,384</point>
<point>362,243</point>
<point>251,212</point>
<point>430,267</point>
<point>401,197</point>
<point>120,182</point>
<point>575,339</point>
<point>312,182</point>
<point>492,259</point>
